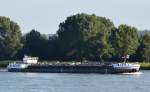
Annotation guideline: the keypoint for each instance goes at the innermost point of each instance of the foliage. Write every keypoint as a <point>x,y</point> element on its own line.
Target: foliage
<point>80,37</point>
<point>3,64</point>
<point>35,44</point>
<point>145,65</point>
<point>10,36</point>
<point>84,36</point>
<point>124,40</point>
<point>53,48</point>
<point>144,48</point>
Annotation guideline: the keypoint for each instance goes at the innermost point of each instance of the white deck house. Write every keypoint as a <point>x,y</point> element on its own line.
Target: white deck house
<point>30,60</point>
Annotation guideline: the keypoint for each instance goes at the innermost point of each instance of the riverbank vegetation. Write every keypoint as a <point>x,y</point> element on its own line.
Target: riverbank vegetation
<point>80,37</point>
<point>145,65</point>
<point>3,64</point>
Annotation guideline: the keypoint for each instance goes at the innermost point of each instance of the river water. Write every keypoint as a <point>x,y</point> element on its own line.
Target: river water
<point>56,82</point>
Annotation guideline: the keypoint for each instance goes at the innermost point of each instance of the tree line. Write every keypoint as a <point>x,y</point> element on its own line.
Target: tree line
<point>80,37</point>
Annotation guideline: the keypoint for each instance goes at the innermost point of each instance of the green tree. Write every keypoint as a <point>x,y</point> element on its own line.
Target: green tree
<point>144,48</point>
<point>35,44</point>
<point>84,36</point>
<point>125,40</point>
<point>10,38</point>
<point>53,48</point>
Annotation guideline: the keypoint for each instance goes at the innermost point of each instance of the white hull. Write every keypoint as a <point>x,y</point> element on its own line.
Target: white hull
<point>17,66</point>
<point>126,67</point>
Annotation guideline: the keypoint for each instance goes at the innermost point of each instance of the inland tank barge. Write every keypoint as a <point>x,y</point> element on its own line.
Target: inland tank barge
<point>30,64</point>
